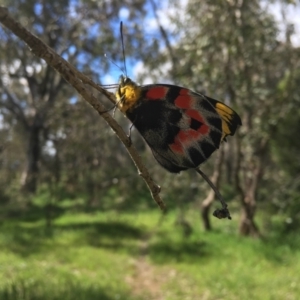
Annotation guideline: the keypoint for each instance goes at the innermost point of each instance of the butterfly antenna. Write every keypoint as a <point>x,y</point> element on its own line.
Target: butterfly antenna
<point>111,61</point>
<point>219,213</point>
<point>123,48</point>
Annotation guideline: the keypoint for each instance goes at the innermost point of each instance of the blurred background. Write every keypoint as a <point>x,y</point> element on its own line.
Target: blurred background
<point>77,221</point>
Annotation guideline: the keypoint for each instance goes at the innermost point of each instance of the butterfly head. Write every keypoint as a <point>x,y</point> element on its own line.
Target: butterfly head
<point>128,93</point>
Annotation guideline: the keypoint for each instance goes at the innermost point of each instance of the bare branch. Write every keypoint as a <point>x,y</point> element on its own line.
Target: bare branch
<point>164,35</point>
<point>78,81</point>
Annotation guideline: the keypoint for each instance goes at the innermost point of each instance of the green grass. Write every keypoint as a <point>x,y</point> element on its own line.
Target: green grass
<point>136,255</point>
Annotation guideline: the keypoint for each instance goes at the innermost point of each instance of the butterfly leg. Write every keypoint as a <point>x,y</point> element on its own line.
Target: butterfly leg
<point>129,134</point>
<point>108,110</point>
<point>113,108</point>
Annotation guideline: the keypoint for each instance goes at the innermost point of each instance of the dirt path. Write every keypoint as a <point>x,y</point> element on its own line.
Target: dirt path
<point>147,281</point>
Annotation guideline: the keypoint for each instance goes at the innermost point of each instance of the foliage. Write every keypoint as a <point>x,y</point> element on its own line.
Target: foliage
<point>113,255</point>
<point>230,50</point>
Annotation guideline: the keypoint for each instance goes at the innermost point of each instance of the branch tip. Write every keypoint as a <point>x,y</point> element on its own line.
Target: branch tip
<point>219,213</point>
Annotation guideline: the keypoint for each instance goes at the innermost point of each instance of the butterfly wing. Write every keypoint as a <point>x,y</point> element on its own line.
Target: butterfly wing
<point>182,128</point>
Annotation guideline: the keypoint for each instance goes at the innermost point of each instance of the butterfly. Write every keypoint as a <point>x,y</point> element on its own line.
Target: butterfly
<point>182,127</point>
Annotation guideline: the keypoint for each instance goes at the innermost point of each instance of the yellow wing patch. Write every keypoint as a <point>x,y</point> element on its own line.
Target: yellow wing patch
<point>230,119</point>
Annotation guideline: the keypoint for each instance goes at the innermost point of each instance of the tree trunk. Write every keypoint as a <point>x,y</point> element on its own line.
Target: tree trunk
<point>247,226</point>
<point>30,174</point>
<point>206,204</point>
<point>248,190</point>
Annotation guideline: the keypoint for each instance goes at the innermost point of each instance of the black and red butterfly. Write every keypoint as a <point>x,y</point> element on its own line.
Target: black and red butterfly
<point>183,128</point>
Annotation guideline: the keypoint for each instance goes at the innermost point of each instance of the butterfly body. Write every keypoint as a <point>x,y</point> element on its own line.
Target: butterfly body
<point>183,128</point>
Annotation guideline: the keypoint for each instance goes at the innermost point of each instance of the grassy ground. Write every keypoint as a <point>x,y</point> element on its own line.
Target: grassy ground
<point>138,255</point>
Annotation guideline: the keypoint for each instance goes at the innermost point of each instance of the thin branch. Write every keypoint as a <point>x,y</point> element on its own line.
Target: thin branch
<point>164,34</point>
<point>78,81</point>
<point>215,179</point>
<point>219,213</point>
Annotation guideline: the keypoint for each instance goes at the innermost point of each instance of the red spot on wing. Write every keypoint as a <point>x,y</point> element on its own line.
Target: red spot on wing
<point>195,134</point>
<point>184,100</point>
<point>185,138</point>
<point>204,129</point>
<point>157,93</point>
<point>177,146</point>
<point>195,115</point>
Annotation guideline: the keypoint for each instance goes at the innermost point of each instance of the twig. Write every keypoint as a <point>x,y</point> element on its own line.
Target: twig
<point>78,81</point>
<point>219,213</point>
